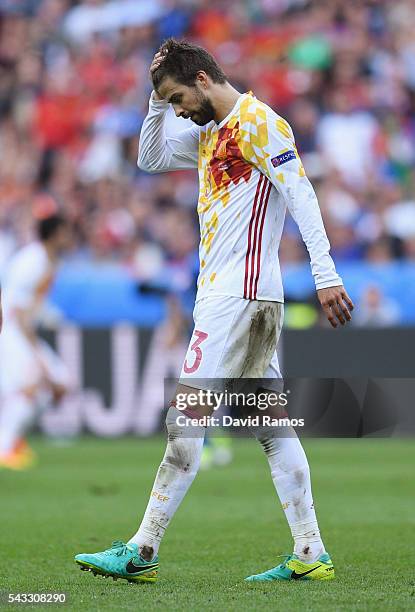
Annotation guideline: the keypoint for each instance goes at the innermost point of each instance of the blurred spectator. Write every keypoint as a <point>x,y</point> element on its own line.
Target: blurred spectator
<point>376,310</point>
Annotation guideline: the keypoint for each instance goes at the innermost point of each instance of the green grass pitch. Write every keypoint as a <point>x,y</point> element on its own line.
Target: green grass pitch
<point>230,525</point>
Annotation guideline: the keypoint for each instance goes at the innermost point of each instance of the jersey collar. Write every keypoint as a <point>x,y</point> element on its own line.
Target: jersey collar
<point>234,109</point>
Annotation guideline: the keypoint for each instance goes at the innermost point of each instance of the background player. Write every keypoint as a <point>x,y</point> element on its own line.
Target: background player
<point>31,375</point>
<point>249,173</point>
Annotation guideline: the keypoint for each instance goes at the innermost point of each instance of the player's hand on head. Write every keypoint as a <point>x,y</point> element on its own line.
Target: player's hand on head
<point>336,304</point>
<point>157,60</point>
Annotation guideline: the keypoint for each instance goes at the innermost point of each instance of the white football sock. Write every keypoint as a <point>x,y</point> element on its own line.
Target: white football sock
<point>16,416</point>
<point>175,475</point>
<point>291,476</point>
<point>307,541</point>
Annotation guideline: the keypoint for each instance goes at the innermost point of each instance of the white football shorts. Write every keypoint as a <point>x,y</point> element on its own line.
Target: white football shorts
<point>232,338</point>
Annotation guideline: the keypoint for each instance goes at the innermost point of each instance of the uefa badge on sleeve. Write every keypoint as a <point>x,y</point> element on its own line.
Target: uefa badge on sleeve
<point>283,158</point>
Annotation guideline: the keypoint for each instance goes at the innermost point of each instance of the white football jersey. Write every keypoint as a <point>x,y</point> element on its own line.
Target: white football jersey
<point>249,173</point>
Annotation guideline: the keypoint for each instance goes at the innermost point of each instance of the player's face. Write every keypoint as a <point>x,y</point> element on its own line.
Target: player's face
<point>188,102</point>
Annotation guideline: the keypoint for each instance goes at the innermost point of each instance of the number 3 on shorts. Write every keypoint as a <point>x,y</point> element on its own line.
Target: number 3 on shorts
<point>195,348</point>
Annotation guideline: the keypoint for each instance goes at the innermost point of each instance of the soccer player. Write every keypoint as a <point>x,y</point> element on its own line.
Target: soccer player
<point>249,174</point>
<point>31,375</point>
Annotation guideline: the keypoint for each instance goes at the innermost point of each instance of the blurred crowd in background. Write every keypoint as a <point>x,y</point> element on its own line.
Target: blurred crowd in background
<point>74,90</point>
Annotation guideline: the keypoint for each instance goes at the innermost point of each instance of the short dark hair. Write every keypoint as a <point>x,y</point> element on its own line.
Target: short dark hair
<point>183,61</point>
<point>47,228</point>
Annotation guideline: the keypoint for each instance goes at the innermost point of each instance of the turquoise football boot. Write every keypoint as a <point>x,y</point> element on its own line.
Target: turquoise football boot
<point>120,561</point>
<point>294,569</point>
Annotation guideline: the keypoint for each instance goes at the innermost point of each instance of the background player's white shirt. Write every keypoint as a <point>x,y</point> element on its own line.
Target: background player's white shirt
<point>249,173</point>
<point>26,282</point>
<point>23,363</point>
